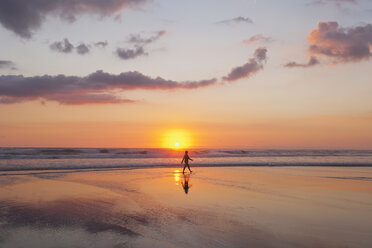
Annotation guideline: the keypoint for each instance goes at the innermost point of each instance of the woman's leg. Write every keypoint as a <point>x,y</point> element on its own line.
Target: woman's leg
<point>189,168</point>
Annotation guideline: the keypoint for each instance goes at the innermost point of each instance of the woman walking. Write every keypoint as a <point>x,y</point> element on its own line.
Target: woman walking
<point>186,158</point>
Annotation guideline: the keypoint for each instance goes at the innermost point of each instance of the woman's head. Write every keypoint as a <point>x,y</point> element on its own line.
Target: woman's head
<point>186,152</point>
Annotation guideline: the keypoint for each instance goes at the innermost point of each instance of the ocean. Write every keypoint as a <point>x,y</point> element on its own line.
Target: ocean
<point>20,159</point>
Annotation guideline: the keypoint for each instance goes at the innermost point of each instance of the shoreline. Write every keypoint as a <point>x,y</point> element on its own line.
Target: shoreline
<point>119,168</point>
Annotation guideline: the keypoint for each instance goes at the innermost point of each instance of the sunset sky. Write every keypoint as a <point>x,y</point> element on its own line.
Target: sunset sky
<point>228,73</point>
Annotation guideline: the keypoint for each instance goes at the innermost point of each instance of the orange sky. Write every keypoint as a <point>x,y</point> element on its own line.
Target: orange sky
<point>317,132</point>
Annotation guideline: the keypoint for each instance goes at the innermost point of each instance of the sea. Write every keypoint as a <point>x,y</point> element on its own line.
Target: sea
<point>25,159</point>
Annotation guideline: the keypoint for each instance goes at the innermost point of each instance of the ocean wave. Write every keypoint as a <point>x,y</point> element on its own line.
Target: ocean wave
<point>64,153</point>
<point>131,163</point>
<point>19,159</point>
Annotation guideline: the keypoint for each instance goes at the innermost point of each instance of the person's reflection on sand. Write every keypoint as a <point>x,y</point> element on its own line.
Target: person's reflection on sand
<point>185,183</point>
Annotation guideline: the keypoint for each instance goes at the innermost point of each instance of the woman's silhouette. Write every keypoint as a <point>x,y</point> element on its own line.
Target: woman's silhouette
<point>185,183</point>
<point>186,158</point>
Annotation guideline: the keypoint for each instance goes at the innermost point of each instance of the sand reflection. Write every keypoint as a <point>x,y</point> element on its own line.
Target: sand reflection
<point>232,207</point>
<point>183,178</point>
<point>186,183</point>
<point>176,175</point>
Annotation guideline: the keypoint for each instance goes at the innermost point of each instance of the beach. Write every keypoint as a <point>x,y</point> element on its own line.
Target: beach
<point>223,207</point>
<point>185,124</point>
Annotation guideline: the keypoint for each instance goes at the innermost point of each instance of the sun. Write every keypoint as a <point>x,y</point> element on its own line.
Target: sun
<point>177,139</point>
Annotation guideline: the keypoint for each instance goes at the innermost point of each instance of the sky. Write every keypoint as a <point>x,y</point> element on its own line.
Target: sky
<point>149,73</point>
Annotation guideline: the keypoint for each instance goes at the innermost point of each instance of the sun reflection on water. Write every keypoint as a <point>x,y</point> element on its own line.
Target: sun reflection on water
<point>176,174</point>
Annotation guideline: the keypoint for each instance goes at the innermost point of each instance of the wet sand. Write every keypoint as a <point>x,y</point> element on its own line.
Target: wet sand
<point>223,207</point>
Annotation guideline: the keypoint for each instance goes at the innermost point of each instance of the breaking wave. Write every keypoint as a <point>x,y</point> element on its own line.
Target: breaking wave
<point>18,159</point>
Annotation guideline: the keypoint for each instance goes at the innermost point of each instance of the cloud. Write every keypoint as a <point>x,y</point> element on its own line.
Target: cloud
<point>65,46</point>
<point>338,3</point>
<point>137,40</point>
<point>8,100</point>
<point>105,88</point>
<point>101,44</point>
<point>312,62</point>
<point>254,65</point>
<point>130,53</point>
<point>235,20</point>
<point>82,99</point>
<point>62,46</point>
<point>82,49</point>
<point>341,44</point>
<point>258,38</point>
<point>7,64</point>
<point>139,45</point>
<point>96,88</point>
<point>23,17</point>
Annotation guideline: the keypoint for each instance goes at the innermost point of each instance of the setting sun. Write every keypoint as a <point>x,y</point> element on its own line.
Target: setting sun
<point>177,139</point>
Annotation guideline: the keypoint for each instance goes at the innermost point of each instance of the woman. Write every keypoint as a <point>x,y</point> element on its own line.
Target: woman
<point>186,158</point>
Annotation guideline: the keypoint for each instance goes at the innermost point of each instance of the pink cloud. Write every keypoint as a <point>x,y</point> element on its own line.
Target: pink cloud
<point>338,44</point>
<point>341,44</point>
<point>257,38</point>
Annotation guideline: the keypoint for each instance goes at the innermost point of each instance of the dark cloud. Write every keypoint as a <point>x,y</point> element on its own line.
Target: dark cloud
<point>139,45</point>
<point>257,38</point>
<point>82,49</point>
<point>7,64</point>
<point>101,87</point>
<point>260,54</point>
<point>137,40</point>
<point>101,44</point>
<point>312,62</point>
<point>238,19</point>
<point>97,87</point>
<point>130,53</point>
<point>62,46</point>
<point>23,17</point>
<point>341,44</point>
<point>254,65</point>
<point>65,46</point>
